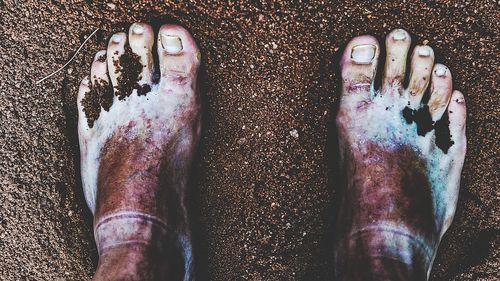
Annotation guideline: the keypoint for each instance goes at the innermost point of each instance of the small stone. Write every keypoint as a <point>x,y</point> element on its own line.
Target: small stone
<point>242,141</point>
<point>294,133</point>
<point>425,42</point>
<point>274,45</point>
<point>111,6</point>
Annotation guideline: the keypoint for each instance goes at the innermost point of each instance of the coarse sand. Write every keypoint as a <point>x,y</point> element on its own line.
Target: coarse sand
<point>264,187</point>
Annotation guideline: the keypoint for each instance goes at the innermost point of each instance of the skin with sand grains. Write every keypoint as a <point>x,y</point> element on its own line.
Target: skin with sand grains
<point>136,154</point>
<point>401,188</point>
<point>402,156</point>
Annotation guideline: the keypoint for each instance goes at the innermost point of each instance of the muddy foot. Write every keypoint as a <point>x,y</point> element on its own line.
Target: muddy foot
<point>137,139</point>
<point>402,154</point>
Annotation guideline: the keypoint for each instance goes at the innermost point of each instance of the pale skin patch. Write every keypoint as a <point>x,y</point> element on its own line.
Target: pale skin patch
<point>135,159</point>
<point>394,176</point>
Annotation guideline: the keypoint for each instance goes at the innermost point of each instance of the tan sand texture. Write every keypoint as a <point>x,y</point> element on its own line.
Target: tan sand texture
<point>263,195</point>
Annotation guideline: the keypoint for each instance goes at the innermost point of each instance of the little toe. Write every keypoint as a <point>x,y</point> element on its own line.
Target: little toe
<point>397,46</point>
<point>116,48</point>
<point>422,62</point>
<point>100,81</point>
<point>441,88</point>
<point>457,113</point>
<point>99,69</point>
<point>141,39</point>
<point>359,65</point>
<point>83,90</point>
<point>178,54</point>
<point>456,154</point>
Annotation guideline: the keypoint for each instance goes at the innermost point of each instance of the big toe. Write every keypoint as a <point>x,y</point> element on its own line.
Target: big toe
<point>178,54</point>
<point>359,65</point>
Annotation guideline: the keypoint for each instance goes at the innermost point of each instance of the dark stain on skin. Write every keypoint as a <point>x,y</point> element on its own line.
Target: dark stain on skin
<point>128,79</point>
<point>101,58</point>
<point>100,95</point>
<point>385,186</point>
<point>143,90</point>
<point>443,136</point>
<point>422,117</point>
<point>378,185</point>
<point>153,187</point>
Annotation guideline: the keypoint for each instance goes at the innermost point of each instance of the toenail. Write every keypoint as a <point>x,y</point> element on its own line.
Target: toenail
<point>171,44</point>
<point>399,35</point>
<point>440,71</point>
<point>424,52</point>
<point>116,38</point>
<point>85,81</point>
<point>363,54</point>
<point>100,56</point>
<point>138,29</point>
<point>460,100</point>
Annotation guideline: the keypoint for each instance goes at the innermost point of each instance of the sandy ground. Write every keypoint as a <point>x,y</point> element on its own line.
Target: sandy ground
<point>262,198</point>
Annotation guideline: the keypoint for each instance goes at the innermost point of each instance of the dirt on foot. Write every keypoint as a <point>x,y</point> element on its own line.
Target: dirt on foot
<point>264,190</point>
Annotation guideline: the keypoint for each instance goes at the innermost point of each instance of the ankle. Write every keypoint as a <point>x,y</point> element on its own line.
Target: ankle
<point>384,246</point>
<point>131,262</point>
<point>131,246</point>
<point>130,228</point>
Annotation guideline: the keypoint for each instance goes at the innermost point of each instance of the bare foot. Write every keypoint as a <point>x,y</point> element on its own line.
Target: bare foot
<point>137,139</point>
<point>402,154</point>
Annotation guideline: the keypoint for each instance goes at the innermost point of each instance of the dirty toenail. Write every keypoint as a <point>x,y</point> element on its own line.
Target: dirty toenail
<point>399,35</point>
<point>99,55</point>
<point>363,54</point>
<point>440,71</point>
<point>85,81</point>
<point>138,29</point>
<point>171,44</point>
<point>460,100</point>
<point>424,52</point>
<point>116,39</point>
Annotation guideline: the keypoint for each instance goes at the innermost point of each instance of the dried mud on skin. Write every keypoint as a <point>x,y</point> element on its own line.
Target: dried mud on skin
<point>422,117</point>
<point>264,198</point>
<point>100,95</point>
<point>130,67</point>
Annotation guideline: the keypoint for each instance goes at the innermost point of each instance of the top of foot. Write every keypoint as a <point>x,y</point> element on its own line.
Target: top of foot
<point>121,107</point>
<point>402,145</point>
<point>137,139</point>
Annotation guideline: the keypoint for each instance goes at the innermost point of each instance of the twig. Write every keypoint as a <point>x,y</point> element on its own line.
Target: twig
<point>66,64</point>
